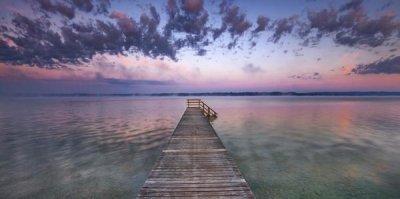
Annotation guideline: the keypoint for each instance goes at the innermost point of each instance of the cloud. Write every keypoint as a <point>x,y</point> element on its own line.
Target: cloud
<point>262,23</point>
<point>325,21</point>
<point>350,25</point>
<point>283,26</point>
<point>252,69</point>
<point>368,32</point>
<point>190,19</point>
<point>307,76</point>
<point>297,52</point>
<point>137,82</point>
<point>386,5</point>
<point>127,24</point>
<point>67,8</point>
<point>37,45</point>
<point>130,82</point>
<point>54,42</point>
<point>29,46</point>
<point>25,85</point>
<point>40,42</point>
<point>103,6</point>
<point>383,66</point>
<point>108,69</point>
<point>143,36</point>
<point>84,5</point>
<point>352,5</point>
<point>31,42</point>
<point>60,8</point>
<point>236,22</point>
<point>193,6</point>
<point>233,22</point>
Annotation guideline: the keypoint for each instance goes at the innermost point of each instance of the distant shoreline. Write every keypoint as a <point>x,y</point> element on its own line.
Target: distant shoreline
<point>353,93</point>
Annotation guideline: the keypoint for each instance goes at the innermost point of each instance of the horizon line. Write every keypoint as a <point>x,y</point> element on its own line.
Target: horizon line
<point>227,93</point>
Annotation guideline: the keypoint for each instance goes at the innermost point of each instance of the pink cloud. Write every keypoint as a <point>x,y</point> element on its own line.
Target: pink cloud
<point>118,15</point>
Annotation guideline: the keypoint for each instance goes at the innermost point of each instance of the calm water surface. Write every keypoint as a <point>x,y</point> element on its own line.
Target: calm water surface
<point>286,147</point>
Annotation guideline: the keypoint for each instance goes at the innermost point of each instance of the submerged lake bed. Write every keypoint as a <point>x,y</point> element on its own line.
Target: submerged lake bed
<point>286,147</point>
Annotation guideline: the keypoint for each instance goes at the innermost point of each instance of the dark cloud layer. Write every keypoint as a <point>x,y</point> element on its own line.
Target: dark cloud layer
<point>383,66</point>
<point>43,43</point>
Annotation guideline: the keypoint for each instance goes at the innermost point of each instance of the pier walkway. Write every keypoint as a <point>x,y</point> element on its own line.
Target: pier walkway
<point>195,163</point>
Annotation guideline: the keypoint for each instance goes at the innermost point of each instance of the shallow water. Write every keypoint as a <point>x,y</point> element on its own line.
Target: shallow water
<point>82,148</point>
<point>286,147</point>
<point>314,147</point>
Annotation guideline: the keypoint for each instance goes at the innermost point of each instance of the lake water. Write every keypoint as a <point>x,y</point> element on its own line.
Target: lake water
<point>286,147</point>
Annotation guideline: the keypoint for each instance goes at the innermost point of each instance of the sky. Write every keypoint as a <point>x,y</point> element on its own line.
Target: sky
<point>158,46</point>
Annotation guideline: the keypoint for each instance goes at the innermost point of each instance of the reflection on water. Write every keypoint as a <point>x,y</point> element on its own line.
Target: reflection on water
<point>314,147</point>
<point>286,147</point>
<point>77,148</point>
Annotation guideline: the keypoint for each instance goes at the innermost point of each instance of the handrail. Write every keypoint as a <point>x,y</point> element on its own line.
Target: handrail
<point>198,103</point>
<point>193,102</point>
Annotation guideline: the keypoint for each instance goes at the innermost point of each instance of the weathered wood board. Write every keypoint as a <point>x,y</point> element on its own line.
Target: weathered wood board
<point>195,164</point>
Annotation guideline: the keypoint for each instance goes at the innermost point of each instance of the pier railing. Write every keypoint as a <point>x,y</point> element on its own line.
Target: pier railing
<point>198,103</point>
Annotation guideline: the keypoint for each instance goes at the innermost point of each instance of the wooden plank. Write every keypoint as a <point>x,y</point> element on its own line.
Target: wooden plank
<point>195,163</point>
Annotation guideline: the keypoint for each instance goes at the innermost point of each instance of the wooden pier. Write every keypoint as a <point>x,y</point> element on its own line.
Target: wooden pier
<point>195,163</point>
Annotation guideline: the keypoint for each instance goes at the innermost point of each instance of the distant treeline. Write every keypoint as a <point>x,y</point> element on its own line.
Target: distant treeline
<point>356,93</point>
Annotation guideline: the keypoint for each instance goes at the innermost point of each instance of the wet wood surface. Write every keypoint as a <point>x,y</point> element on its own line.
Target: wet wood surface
<point>195,164</point>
